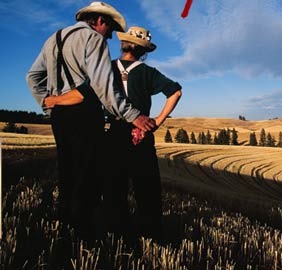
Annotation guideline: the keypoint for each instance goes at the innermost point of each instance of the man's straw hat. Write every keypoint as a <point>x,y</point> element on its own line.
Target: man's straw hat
<point>103,8</point>
<point>139,36</point>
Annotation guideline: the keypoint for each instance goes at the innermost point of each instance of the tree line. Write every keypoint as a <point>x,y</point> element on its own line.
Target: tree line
<point>23,117</point>
<point>11,127</point>
<point>223,137</point>
<point>265,139</point>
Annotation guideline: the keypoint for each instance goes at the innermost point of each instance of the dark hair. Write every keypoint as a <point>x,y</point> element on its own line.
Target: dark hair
<point>89,17</point>
<point>92,17</point>
<point>136,50</point>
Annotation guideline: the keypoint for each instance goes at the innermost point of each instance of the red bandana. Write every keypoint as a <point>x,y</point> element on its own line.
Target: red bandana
<point>137,135</point>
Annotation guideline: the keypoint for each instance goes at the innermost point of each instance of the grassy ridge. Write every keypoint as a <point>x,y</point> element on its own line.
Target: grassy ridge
<point>214,125</point>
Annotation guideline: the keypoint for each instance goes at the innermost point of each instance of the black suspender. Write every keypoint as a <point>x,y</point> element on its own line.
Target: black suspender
<point>61,62</point>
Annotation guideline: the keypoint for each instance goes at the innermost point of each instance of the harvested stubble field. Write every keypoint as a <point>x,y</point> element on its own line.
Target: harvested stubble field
<point>36,129</point>
<point>254,173</point>
<point>209,181</point>
<point>242,176</point>
<point>14,140</point>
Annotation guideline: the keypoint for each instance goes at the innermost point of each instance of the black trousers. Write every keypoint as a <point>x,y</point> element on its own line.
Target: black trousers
<point>79,135</point>
<point>140,165</point>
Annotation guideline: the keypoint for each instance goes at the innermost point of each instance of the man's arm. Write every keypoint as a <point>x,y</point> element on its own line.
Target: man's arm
<point>169,106</point>
<point>37,79</point>
<point>70,98</point>
<point>75,97</point>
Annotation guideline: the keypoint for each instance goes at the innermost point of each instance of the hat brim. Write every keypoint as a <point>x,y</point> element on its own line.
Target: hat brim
<point>148,46</point>
<point>120,24</point>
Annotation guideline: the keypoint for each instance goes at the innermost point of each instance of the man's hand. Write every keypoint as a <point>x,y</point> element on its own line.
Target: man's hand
<point>145,123</point>
<point>50,102</point>
<point>70,98</point>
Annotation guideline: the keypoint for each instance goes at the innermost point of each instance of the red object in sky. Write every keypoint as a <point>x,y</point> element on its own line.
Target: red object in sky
<point>186,9</point>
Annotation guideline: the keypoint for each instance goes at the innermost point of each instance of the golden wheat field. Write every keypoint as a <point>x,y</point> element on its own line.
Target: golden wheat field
<point>252,173</point>
<point>36,129</point>
<point>241,173</point>
<point>193,124</point>
<point>14,140</point>
<point>246,180</point>
<point>246,173</point>
<point>214,125</point>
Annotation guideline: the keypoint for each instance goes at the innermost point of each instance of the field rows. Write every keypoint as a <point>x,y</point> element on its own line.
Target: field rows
<point>252,172</point>
<point>14,140</point>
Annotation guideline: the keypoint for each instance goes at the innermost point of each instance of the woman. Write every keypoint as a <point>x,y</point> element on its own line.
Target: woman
<point>131,153</point>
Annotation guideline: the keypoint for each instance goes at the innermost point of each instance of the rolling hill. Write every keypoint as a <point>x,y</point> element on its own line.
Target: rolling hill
<point>195,124</point>
<point>214,125</point>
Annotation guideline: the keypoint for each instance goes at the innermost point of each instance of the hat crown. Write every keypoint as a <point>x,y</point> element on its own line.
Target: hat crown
<point>103,8</point>
<point>100,4</point>
<point>138,35</point>
<point>140,32</point>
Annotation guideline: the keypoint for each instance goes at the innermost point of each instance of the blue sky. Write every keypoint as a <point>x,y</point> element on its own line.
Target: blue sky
<point>227,54</point>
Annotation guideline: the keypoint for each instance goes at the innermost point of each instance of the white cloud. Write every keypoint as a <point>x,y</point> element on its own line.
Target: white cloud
<point>221,36</point>
<point>270,101</point>
<point>264,106</point>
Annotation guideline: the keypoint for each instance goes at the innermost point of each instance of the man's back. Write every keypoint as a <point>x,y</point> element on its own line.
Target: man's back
<point>76,49</point>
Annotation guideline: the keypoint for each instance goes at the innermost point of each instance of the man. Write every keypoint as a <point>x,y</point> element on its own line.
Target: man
<point>78,58</point>
<point>132,153</point>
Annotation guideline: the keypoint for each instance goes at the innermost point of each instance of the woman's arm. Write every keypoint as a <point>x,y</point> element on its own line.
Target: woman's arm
<point>169,106</point>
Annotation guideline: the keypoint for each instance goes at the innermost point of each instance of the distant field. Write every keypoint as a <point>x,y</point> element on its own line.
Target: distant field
<point>14,140</point>
<point>253,170</point>
<point>197,124</point>
<point>251,174</point>
<point>38,129</point>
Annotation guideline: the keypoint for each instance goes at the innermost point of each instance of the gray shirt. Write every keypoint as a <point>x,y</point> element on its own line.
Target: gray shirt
<point>87,55</point>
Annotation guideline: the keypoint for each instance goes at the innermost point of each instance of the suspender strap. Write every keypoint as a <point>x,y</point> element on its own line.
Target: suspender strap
<point>61,62</point>
<point>124,73</point>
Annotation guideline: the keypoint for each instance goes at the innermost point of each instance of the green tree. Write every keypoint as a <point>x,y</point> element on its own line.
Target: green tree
<point>181,136</point>
<point>279,143</point>
<point>215,138</point>
<point>262,141</point>
<point>200,138</point>
<point>10,127</point>
<point>224,137</point>
<point>168,138</point>
<point>22,130</point>
<point>270,140</point>
<point>204,138</point>
<point>193,138</point>
<point>234,137</point>
<point>209,137</point>
<point>253,139</point>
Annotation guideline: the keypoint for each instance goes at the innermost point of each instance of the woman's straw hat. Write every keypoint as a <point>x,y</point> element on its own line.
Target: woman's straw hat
<point>103,8</point>
<point>139,36</point>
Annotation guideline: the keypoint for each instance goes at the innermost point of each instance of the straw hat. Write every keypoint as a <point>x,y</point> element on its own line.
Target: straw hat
<point>103,8</point>
<point>139,36</point>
